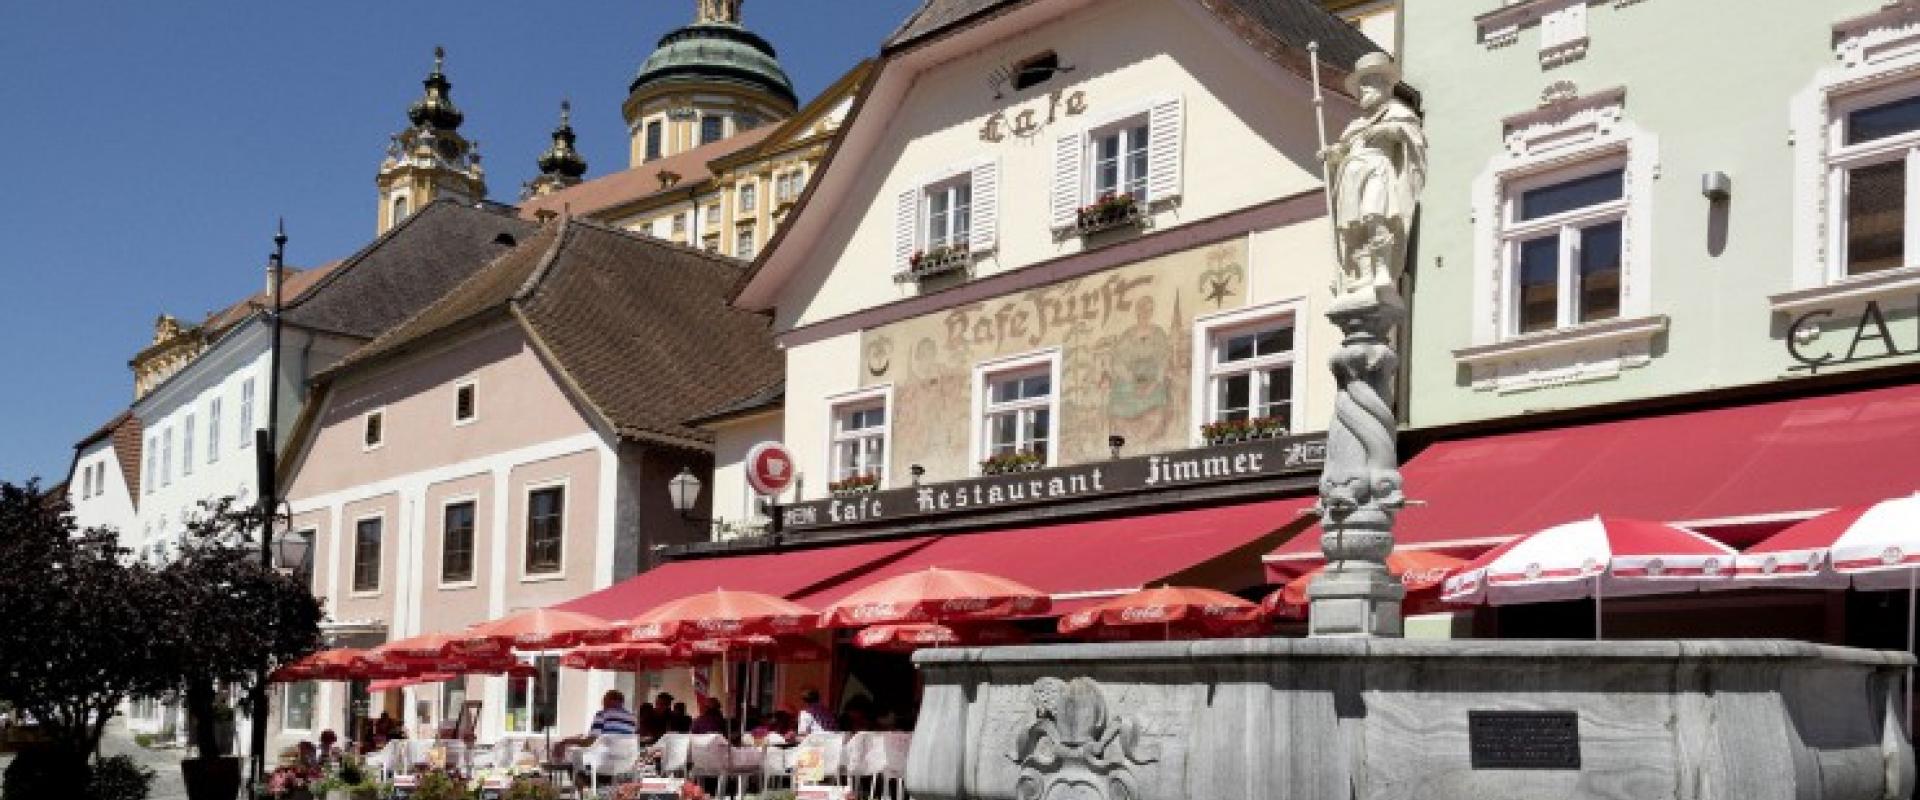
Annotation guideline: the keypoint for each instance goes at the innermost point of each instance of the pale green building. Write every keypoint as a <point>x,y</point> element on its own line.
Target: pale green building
<point>1632,199</point>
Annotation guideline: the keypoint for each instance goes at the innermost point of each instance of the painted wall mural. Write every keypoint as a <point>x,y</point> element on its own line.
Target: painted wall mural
<point>1125,338</point>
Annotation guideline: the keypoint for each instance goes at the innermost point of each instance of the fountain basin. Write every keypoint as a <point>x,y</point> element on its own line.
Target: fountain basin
<point>1392,718</point>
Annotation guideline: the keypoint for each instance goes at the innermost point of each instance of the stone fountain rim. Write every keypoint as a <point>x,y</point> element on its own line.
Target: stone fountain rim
<point>1696,650</point>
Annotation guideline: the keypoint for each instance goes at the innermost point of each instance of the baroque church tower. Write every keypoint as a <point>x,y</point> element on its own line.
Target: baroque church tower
<point>703,83</point>
<point>562,165</point>
<point>430,159</point>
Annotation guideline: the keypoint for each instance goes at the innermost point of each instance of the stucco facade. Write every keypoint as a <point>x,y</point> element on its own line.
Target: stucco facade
<point>1233,235</point>
<point>1730,199</point>
<point>525,434</point>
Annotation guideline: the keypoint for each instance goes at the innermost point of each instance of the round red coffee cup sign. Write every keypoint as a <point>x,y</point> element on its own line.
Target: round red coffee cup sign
<point>769,468</point>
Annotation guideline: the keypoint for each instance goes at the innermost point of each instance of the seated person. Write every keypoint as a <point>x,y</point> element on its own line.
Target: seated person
<point>681,723</point>
<point>710,719</point>
<point>613,719</point>
<point>329,746</point>
<point>784,722</point>
<point>815,717</point>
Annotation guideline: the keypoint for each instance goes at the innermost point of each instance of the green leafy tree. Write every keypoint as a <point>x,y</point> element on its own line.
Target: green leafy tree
<point>226,615</point>
<point>81,632</point>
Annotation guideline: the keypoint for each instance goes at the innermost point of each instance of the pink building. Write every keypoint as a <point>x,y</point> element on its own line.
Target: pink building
<point>509,447</point>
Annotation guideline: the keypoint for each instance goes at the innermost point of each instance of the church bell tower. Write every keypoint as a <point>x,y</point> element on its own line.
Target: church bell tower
<point>429,159</point>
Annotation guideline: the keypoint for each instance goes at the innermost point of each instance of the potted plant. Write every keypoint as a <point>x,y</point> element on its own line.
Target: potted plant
<point>438,785</point>
<point>292,783</point>
<point>1269,428</point>
<point>1109,210</point>
<point>935,260</point>
<point>854,484</point>
<point>1018,461</point>
<point>532,789</point>
<point>349,781</point>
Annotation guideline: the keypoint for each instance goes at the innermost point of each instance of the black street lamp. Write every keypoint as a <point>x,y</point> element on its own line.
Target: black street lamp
<point>293,550</point>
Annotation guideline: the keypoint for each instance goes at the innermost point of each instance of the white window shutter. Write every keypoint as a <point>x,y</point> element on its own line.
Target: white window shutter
<point>1163,150</point>
<point>906,223</point>
<point>984,222</point>
<point>1068,151</point>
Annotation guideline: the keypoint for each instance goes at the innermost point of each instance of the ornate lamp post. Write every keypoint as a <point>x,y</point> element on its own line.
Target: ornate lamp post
<point>685,490</point>
<point>1374,174</point>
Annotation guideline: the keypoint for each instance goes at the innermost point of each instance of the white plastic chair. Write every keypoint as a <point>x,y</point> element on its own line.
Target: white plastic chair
<point>887,762</point>
<point>775,765</point>
<point>712,757</point>
<point>616,756</point>
<point>858,759</point>
<point>676,754</point>
<point>833,752</point>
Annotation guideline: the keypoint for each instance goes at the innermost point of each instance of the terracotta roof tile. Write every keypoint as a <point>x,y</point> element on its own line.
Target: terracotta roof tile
<point>638,183</point>
<point>124,431</point>
<point>639,328</point>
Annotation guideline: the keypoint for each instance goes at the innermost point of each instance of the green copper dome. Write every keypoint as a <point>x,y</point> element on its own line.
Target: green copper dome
<point>719,52</point>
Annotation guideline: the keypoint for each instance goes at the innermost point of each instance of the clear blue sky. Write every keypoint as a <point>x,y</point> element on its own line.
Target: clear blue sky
<point>147,148</point>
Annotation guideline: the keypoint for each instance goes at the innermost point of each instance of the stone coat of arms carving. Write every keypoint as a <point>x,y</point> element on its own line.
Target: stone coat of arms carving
<point>1073,750</point>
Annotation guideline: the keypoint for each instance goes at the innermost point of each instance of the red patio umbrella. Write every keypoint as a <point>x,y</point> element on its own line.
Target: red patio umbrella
<point>782,649</point>
<point>338,664</point>
<point>540,629</point>
<point>722,614</point>
<point>1178,631</point>
<point>1171,611</point>
<point>439,646</point>
<point>937,595</point>
<point>621,657</point>
<point>1422,572</point>
<point>908,638</point>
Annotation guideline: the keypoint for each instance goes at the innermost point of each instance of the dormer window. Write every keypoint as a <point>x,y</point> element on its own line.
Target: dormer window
<point>1035,71</point>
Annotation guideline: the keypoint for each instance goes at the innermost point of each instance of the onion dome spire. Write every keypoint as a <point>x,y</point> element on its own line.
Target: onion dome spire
<point>561,159</point>
<point>435,109</point>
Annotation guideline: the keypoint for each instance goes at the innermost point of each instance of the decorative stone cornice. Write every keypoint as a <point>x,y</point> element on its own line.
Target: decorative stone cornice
<point>1892,31</point>
<point>1593,351</point>
<point>1564,119</point>
<point>1562,24</point>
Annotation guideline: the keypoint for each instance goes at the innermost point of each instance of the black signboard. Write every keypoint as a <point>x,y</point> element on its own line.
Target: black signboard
<point>1524,739</point>
<point>1260,458</point>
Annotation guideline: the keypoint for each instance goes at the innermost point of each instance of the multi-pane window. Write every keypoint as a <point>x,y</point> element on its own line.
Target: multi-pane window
<point>166,457</point>
<point>544,510</point>
<point>186,446</point>
<point>747,198</point>
<point>246,412</point>
<point>400,209</point>
<point>743,243</point>
<point>1250,374</point>
<point>1878,149</point>
<point>366,555</point>
<point>1564,245</point>
<point>532,700</point>
<point>464,407</point>
<point>680,224</point>
<point>1120,160</point>
<point>860,441</point>
<point>1018,417</point>
<point>653,140</point>
<point>213,430</point>
<point>712,129</point>
<point>949,213</point>
<point>153,463</point>
<point>456,544</point>
<point>299,706</point>
<point>373,431</point>
<point>788,186</point>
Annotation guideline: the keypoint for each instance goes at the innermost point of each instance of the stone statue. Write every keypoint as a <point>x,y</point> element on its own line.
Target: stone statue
<point>1375,172</point>
<point>719,11</point>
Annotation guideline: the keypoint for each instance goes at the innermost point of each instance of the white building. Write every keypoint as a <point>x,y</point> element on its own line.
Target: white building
<point>104,483</point>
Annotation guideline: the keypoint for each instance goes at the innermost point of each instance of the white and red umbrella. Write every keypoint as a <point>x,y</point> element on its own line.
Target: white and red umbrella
<point>721,614</point>
<point>936,595</point>
<point>1173,612</point>
<point>1595,557</point>
<point>915,636</point>
<point>1873,547</point>
<point>1421,572</point>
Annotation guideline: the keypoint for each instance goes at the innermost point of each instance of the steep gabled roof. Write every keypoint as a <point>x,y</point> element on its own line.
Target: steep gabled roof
<point>123,431</point>
<point>638,329</point>
<point>1278,30</point>
<point>406,268</point>
<point>771,397</point>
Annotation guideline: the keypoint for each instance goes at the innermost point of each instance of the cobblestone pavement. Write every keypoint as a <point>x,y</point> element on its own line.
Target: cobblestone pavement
<point>164,763</point>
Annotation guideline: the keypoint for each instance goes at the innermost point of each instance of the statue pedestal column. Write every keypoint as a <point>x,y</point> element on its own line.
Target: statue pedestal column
<point>1360,484</point>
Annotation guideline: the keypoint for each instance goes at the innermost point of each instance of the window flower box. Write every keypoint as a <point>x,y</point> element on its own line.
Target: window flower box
<point>938,260</point>
<point>1242,430</point>
<point>855,484</point>
<point>1107,213</point>
<point>1007,463</point>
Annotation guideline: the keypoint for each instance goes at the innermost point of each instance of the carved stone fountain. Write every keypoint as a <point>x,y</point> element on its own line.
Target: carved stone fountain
<point>1355,713</point>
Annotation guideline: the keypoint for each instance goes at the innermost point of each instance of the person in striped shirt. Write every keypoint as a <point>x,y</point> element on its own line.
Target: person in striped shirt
<point>613,719</point>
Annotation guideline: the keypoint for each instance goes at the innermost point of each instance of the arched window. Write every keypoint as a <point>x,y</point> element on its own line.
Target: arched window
<point>399,210</point>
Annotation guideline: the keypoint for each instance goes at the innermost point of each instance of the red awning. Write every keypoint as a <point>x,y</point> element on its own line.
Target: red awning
<point>786,574</point>
<point>1736,473</point>
<point>1083,561</point>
